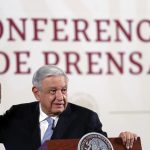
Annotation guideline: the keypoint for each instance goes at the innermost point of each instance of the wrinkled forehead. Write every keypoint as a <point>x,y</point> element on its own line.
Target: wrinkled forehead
<point>54,83</point>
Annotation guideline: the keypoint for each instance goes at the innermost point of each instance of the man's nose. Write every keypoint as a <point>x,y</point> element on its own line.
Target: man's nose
<point>59,95</point>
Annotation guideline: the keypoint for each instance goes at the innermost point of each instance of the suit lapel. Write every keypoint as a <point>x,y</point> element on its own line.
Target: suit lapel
<point>62,124</point>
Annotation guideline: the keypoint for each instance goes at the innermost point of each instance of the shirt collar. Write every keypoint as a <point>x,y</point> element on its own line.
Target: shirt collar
<point>43,116</point>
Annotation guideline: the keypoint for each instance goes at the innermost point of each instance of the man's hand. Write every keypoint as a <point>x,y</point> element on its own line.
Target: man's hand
<point>128,138</point>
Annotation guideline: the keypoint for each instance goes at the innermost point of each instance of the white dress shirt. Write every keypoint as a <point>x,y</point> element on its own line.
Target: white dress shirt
<point>43,122</point>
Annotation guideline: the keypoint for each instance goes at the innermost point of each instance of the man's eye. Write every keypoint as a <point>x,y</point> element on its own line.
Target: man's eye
<point>52,92</point>
<point>64,91</point>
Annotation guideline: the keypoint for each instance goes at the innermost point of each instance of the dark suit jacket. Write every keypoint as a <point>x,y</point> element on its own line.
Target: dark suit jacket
<point>19,126</point>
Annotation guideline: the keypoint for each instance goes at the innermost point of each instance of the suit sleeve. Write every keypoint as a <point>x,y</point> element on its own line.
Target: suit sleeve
<point>4,122</point>
<point>96,124</point>
<point>1,129</point>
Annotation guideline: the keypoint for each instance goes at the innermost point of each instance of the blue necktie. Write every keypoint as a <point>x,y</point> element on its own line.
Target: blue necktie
<point>49,130</point>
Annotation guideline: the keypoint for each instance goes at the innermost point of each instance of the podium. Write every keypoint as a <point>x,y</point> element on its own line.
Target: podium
<point>72,144</point>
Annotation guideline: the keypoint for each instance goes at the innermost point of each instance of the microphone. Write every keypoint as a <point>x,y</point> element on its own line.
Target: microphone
<point>53,124</point>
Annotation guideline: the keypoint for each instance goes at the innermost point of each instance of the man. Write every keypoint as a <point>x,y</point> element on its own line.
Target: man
<point>24,126</point>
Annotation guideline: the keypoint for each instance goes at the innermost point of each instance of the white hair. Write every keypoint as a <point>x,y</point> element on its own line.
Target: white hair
<point>46,71</point>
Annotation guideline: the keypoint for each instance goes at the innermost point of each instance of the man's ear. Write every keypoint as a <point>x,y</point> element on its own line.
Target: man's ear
<point>36,92</point>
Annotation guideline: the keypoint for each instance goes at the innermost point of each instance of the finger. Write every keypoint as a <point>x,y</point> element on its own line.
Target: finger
<point>133,137</point>
<point>128,140</point>
<point>123,137</point>
<point>131,140</point>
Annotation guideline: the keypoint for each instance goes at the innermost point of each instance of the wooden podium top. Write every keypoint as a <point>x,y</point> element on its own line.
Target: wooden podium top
<point>72,144</point>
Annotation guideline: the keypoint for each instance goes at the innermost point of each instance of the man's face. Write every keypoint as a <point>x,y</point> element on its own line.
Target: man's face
<point>53,95</point>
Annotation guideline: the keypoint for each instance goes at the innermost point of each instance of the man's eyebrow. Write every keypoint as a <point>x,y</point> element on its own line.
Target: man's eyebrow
<point>53,87</point>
